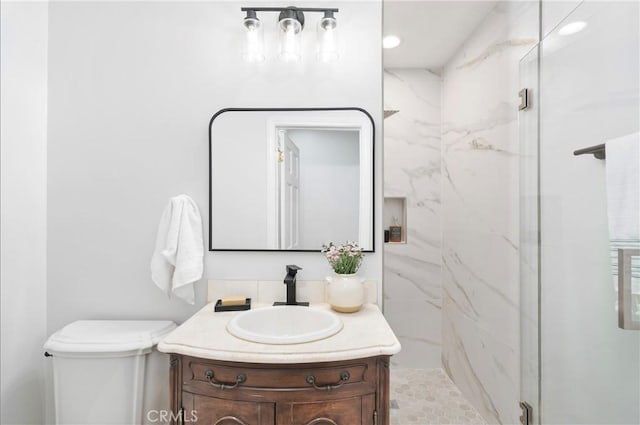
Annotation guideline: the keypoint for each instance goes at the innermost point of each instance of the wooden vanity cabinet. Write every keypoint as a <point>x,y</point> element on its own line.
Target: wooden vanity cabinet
<point>349,392</point>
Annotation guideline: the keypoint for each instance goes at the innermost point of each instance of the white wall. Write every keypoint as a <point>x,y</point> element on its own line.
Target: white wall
<point>480,200</point>
<point>23,271</point>
<point>329,169</point>
<point>132,87</point>
<point>412,271</point>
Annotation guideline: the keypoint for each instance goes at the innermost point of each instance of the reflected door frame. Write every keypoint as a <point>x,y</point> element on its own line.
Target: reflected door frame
<point>289,193</point>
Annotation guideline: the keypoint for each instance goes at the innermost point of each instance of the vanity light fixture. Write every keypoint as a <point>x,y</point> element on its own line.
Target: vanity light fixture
<point>290,25</point>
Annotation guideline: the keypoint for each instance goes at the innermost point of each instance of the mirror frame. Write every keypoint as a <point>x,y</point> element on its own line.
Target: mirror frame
<point>373,200</point>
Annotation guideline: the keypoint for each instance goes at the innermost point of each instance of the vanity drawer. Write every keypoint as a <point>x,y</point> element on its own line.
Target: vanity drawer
<point>358,375</point>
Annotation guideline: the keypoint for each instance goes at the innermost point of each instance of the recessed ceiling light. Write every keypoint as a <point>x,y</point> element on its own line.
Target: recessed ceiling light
<point>391,41</point>
<point>572,28</point>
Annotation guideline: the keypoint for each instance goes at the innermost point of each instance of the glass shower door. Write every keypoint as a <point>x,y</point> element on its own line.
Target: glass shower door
<point>528,125</point>
<point>589,368</point>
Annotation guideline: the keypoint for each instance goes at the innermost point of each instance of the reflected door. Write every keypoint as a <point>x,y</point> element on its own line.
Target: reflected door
<point>290,193</point>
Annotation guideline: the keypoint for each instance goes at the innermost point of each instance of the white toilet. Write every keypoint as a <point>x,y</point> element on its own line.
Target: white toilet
<point>108,371</point>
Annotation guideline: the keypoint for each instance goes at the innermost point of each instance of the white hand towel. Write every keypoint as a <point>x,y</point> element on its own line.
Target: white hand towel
<point>623,202</point>
<point>177,261</point>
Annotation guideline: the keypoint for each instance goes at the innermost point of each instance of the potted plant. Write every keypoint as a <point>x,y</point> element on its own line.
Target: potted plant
<point>345,292</point>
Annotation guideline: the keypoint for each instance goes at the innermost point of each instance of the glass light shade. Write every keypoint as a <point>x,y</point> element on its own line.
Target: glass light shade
<point>253,44</point>
<point>290,43</point>
<point>327,40</point>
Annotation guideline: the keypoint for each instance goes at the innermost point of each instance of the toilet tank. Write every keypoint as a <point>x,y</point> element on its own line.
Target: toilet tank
<point>109,372</point>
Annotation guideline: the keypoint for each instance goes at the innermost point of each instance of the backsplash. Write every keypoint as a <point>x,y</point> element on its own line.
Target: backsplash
<point>269,291</point>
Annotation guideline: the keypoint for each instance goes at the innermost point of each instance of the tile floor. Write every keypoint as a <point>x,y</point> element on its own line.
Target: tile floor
<point>428,397</point>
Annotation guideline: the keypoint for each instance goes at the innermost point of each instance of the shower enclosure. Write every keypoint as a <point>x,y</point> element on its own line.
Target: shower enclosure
<point>577,365</point>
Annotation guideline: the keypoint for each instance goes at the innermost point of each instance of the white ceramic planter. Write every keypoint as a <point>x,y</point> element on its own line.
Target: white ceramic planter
<point>345,292</point>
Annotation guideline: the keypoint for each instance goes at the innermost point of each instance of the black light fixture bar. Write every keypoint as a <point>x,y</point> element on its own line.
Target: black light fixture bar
<point>291,21</point>
<point>280,9</point>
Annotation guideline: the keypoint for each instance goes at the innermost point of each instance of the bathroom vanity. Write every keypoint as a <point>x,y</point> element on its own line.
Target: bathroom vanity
<point>217,378</point>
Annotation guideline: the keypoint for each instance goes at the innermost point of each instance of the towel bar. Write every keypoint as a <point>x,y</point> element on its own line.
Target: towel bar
<point>597,151</point>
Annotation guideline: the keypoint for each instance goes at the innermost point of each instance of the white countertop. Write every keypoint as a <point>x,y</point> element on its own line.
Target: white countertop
<point>365,334</point>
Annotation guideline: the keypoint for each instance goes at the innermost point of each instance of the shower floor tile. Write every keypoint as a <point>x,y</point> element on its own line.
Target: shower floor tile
<point>428,397</point>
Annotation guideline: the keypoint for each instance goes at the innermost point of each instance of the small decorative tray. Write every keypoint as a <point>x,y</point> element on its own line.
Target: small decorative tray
<point>245,306</point>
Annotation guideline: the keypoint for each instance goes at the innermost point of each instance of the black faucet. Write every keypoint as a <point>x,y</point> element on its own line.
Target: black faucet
<point>290,281</point>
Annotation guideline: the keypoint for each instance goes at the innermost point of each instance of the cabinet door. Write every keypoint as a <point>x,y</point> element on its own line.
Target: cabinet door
<point>215,411</point>
<point>349,411</point>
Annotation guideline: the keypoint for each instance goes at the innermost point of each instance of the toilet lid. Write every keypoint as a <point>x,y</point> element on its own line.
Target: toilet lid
<point>108,336</point>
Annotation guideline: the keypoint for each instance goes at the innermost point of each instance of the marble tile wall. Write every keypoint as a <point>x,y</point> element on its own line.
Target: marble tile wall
<point>480,303</point>
<point>412,288</point>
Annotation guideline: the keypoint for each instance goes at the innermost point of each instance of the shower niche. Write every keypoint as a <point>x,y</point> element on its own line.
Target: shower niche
<point>395,220</point>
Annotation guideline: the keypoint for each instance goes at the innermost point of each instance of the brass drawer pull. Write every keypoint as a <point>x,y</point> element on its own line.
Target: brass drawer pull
<point>240,379</point>
<point>344,377</point>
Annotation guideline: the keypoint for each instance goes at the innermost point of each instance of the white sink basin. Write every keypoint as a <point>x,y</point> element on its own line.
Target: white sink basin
<point>284,325</point>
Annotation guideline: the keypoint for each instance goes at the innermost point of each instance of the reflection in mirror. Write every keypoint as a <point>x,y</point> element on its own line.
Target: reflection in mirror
<point>291,179</point>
